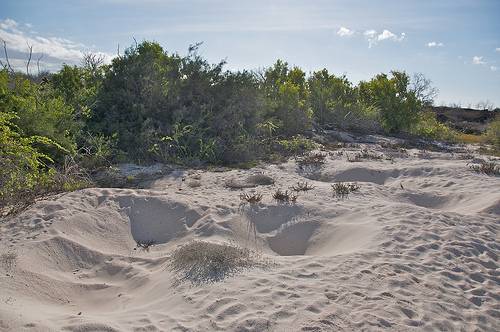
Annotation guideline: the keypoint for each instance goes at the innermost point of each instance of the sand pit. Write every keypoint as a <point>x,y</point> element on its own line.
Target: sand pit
<point>416,248</point>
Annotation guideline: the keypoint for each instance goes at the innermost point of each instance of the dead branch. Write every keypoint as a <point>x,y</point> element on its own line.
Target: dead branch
<point>30,48</point>
<point>38,63</point>
<point>7,56</point>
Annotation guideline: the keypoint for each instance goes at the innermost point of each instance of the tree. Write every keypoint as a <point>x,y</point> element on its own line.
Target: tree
<point>394,97</point>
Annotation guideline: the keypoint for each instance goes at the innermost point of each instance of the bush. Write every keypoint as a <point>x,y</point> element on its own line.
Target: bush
<point>427,126</point>
<point>394,98</point>
<point>492,134</point>
<point>202,262</point>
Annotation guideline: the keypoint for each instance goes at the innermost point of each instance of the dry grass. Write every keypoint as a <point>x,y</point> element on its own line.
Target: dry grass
<point>311,160</point>
<point>251,198</point>
<point>8,261</point>
<point>470,138</point>
<point>203,262</point>
<point>194,183</point>
<point>302,186</point>
<point>342,190</point>
<point>284,196</point>
<point>488,168</point>
<point>250,182</point>
<point>364,154</point>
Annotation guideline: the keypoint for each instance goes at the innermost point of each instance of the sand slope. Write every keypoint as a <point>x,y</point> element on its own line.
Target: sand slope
<point>416,249</point>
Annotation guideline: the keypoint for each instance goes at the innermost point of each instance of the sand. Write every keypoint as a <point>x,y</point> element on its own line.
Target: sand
<point>416,248</point>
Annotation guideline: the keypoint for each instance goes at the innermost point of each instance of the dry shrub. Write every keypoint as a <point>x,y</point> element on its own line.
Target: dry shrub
<point>311,160</point>
<point>342,190</point>
<point>8,261</point>
<point>251,198</point>
<point>364,154</point>
<point>145,244</point>
<point>302,186</point>
<point>284,196</point>
<point>194,184</point>
<point>203,262</point>
<point>251,181</point>
<point>488,168</point>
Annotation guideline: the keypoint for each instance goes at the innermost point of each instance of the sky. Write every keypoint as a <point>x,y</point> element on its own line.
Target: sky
<point>455,43</point>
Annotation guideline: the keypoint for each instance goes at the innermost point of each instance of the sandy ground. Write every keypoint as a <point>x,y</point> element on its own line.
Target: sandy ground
<point>415,249</point>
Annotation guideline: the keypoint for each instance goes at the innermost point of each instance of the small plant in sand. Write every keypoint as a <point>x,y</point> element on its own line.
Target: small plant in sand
<point>284,196</point>
<point>8,261</point>
<point>251,198</point>
<point>203,262</point>
<point>342,190</point>
<point>488,168</point>
<point>364,154</point>
<point>311,160</point>
<point>302,186</point>
<point>145,244</point>
<point>250,182</point>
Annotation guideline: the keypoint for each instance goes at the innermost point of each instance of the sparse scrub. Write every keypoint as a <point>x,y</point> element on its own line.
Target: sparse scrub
<point>254,198</point>
<point>342,190</point>
<point>251,181</point>
<point>204,262</point>
<point>302,186</point>
<point>488,168</point>
<point>145,244</point>
<point>284,196</point>
<point>8,261</point>
<point>364,154</point>
<point>312,160</point>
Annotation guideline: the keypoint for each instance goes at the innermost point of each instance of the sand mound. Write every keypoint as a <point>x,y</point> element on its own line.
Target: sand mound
<point>415,248</point>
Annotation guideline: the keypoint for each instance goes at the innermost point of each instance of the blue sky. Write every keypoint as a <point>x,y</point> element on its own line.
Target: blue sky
<point>455,43</point>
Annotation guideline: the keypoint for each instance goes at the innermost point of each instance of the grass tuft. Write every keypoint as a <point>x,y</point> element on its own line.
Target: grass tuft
<point>204,262</point>
<point>284,196</point>
<point>342,190</point>
<point>302,186</point>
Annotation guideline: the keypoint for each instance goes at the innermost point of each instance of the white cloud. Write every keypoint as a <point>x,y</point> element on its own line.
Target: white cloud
<point>497,49</point>
<point>345,32</point>
<point>55,50</point>
<point>434,44</point>
<point>374,38</point>
<point>493,68</point>
<point>478,60</point>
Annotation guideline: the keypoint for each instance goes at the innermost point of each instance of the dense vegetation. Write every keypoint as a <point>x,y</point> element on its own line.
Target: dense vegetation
<point>149,105</point>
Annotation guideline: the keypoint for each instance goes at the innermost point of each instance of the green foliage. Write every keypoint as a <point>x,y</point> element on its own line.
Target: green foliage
<point>493,133</point>
<point>24,168</point>
<point>394,98</point>
<point>297,145</point>
<point>39,111</point>
<point>426,125</point>
<point>331,97</point>
<point>287,98</point>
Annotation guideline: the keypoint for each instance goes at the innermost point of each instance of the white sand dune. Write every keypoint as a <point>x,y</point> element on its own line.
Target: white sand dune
<point>415,249</point>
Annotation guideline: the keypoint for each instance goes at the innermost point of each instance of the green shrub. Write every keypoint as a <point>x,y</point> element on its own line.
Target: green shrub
<point>492,134</point>
<point>297,145</point>
<point>426,125</point>
<point>394,98</point>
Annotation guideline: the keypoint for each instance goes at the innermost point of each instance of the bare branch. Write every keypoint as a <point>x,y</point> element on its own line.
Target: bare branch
<point>38,63</point>
<point>118,50</point>
<point>30,48</point>
<point>92,61</point>
<point>7,56</point>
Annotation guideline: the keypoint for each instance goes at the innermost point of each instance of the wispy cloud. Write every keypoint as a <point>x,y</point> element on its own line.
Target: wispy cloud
<point>433,44</point>
<point>497,49</point>
<point>55,50</point>
<point>493,68</point>
<point>345,32</point>
<point>374,37</point>
<point>478,60</point>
